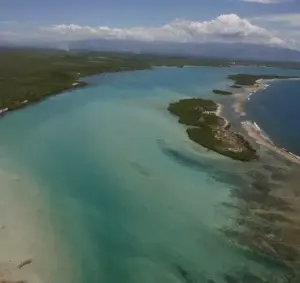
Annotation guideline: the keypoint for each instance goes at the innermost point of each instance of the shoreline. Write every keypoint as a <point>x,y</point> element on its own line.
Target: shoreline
<point>246,92</point>
<point>263,140</point>
<point>218,113</point>
<point>251,128</point>
<point>77,84</point>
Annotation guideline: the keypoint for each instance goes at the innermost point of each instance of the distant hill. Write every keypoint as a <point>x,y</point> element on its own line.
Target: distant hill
<point>216,50</point>
<point>238,51</point>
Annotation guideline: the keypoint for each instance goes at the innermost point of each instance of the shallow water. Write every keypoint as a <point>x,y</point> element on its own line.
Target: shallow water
<point>105,186</point>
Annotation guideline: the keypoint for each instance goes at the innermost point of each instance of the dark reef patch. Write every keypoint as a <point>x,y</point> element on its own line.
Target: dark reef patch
<point>184,159</point>
<point>267,226</point>
<point>222,92</point>
<point>236,86</point>
<point>140,168</point>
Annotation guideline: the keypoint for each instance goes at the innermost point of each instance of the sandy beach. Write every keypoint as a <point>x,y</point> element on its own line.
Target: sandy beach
<point>262,140</point>
<point>245,93</point>
<point>218,113</point>
<point>252,129</point>
<point>18,230</point>
<point>29,247</point>
<point>219,110</point>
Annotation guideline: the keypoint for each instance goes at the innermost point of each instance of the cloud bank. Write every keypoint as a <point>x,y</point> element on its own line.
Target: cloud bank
<point>225,28</point>
<point>267,1</point>
<point>6,35</point>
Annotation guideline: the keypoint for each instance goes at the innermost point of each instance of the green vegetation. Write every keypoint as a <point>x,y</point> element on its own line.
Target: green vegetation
<point>29,75</point>
<point>249,80</point>
<point>190,111</point>
<point>210,130</point>
<point>223,92</point>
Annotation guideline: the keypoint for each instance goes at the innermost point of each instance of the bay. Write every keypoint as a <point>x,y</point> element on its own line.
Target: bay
<point>101,184</point>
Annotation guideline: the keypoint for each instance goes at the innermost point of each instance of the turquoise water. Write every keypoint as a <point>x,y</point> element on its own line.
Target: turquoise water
<point>105,186</point>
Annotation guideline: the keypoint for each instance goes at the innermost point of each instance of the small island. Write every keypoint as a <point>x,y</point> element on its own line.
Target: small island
<point>236,86</point>
<point>223,92</point>
<point>210,130</point>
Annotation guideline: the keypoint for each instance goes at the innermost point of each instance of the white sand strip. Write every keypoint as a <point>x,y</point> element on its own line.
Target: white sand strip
<point>261,139</point>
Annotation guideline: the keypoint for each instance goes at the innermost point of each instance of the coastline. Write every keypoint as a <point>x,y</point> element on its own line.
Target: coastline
<point>196,200</point>
<point>218,113</point>
<point>245,92</point>
<point>261,139</point>
<point>252,129</point>
<point>78,83</point>
<point>30,102</point>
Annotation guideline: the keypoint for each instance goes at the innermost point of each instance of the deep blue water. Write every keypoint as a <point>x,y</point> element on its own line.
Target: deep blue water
<point>277,111</point>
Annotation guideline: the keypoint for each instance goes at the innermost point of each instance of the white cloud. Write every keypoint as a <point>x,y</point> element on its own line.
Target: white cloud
<point>289,19</point>
<point>7,34</point>
<point>266,1</point>
<point>228,28</point>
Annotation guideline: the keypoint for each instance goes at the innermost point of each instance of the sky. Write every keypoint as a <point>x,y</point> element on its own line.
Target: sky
<point>269,22</point>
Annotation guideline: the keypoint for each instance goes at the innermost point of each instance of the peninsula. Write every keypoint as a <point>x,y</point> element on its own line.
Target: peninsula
<point>250,85</point>
<point>250,80</point>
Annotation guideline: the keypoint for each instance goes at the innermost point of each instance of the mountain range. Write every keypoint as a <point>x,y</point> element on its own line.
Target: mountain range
<point>216,50</point>
<point>238,51</point>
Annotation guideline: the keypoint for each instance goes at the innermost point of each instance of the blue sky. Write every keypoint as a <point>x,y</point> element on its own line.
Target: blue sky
<point>127,13</point>
<point>40,19</point>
